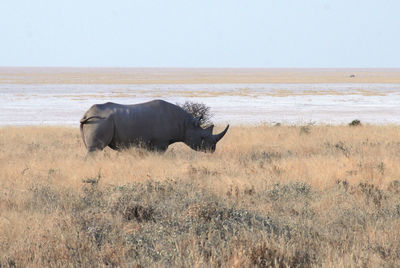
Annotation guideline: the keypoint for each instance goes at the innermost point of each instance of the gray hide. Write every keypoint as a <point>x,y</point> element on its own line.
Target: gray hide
<point>153,125</point>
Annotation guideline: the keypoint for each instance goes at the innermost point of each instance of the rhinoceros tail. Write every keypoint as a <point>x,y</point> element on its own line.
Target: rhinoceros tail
<point>84,119</point>
<point>82,135</point>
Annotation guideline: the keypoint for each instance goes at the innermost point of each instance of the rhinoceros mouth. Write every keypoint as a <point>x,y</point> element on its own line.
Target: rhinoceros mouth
<point>205,149</point>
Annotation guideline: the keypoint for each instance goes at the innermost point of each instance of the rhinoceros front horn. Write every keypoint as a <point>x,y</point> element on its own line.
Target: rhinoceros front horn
<point>220,135</point>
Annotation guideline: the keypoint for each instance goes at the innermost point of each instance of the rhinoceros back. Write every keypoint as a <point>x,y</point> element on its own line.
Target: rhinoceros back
<point>154,121</point>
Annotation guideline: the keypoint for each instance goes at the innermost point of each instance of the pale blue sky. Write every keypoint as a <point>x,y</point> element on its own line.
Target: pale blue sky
<point>207,33</point>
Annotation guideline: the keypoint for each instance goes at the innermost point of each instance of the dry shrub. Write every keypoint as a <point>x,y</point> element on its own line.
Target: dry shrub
<point>199,110</point>
<point>268,256</point>
<point>355,123</point>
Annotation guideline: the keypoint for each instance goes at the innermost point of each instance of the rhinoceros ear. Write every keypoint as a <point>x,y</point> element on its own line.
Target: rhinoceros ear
<point>210,129</point>
<point>196,121</point>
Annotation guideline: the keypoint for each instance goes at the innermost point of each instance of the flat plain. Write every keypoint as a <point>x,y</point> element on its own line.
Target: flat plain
<point>299,195</point>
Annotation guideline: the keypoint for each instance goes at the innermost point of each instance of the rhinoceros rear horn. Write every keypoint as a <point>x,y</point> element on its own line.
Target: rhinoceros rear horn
<point>220,135</point>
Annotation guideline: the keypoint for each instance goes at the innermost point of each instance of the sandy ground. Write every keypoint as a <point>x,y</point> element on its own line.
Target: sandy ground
<point>39,75</point>
<point>59,96</point>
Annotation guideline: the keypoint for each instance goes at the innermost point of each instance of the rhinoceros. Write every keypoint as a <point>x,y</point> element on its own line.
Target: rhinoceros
<point>153,125</point>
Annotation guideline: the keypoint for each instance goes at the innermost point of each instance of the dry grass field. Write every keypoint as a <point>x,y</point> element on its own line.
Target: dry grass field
<point>298,196</point>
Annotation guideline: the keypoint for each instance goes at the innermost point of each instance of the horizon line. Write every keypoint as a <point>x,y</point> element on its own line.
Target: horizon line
<point>203,68</point>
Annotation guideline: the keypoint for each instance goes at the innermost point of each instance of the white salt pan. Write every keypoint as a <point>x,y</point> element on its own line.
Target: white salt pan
<point>231,103</point>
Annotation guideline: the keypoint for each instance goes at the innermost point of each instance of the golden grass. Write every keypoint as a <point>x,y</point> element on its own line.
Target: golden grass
<point>309,179</point>
<point>319,155</point>
<point>37,75</point>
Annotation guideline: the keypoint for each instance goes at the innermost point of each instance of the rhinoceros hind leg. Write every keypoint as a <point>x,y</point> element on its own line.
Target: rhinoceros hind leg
<point>98,134</point>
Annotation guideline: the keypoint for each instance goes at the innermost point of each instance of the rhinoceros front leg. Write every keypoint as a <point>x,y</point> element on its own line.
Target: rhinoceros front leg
<point>98,134</point>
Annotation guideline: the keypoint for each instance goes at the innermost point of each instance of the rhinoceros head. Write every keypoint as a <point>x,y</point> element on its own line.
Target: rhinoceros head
<point>202,139</point>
